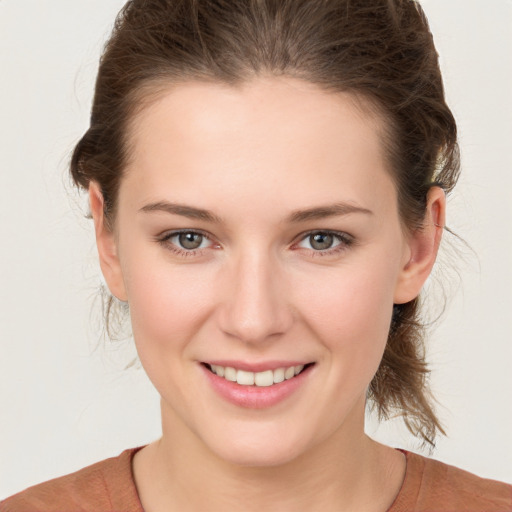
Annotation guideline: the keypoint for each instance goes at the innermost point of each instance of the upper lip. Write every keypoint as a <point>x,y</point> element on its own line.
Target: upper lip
<point>256,367</point>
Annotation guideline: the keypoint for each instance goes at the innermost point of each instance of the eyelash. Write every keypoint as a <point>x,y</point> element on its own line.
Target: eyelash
<point>165,241</point>
<point>345,241</point>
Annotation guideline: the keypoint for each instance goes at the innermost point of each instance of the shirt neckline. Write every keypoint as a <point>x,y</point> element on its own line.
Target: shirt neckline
<point>404,498</point>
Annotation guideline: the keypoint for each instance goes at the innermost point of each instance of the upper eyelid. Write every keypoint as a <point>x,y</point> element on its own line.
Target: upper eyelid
<point>301,235</point>
<point>173,232</point>
<point>340,234</point>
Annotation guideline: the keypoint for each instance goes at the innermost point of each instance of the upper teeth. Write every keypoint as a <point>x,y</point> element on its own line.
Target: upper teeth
<point>266,378</point>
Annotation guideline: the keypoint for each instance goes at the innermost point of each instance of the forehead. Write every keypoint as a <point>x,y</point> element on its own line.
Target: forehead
<point>267,134</point>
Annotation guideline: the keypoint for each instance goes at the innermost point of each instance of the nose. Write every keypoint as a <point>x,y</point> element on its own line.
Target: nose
<point>254,307</point>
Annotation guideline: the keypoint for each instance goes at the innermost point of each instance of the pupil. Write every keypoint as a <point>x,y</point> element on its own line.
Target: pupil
<point>190,240</point>
<point>321,241</point>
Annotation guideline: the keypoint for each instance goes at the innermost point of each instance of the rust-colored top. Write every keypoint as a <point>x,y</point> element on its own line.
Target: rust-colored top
<point>108,486</point>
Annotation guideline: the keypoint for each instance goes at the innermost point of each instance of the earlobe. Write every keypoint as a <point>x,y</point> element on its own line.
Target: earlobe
<point>423,246</point>
<point>106,244</point>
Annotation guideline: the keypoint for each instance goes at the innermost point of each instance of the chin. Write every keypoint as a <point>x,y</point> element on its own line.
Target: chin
<point>258,449</point>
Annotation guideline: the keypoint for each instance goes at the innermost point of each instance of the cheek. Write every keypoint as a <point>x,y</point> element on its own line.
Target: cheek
<point>351,313</point>
<point>167,303</point>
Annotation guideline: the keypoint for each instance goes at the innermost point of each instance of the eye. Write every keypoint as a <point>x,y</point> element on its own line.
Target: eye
<point>188,240</point>
<point>325,241</point>
<point>321,241</point>
<point>185,242</point>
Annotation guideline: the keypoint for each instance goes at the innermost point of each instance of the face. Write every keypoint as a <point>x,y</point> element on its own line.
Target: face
<point>257,236</point>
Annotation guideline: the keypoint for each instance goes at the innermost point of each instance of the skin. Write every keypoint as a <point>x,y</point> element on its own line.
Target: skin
<point>258,290</point>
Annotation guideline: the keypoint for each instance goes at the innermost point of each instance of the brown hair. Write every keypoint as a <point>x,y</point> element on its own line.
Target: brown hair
<point>381,50</point>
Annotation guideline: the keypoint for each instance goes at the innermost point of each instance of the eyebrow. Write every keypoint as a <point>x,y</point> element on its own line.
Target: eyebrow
<point>315,213</point>
<point>183,210</point>
<point>322,212</point>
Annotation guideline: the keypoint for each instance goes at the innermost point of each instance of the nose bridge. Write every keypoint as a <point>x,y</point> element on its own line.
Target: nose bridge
<point>255,307</point>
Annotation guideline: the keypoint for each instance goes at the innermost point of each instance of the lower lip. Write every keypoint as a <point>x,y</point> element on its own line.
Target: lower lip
<point>255,397</point>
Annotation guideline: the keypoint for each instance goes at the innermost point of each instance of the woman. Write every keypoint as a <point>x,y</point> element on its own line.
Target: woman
<point>267,182</point>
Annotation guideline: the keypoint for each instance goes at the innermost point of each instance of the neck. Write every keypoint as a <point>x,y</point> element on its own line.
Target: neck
<point>347,471</point>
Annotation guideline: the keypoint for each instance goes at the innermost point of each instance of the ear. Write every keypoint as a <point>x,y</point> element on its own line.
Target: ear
<point>423,245</point>
<point>106,244</point>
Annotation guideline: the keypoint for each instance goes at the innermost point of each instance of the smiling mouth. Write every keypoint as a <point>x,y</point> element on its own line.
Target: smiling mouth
<point>259,379</point>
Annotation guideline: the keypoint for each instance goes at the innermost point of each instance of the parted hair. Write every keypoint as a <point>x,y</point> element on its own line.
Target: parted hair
<point>380,50</point>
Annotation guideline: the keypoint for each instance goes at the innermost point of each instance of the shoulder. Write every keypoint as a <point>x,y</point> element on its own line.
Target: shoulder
<point>107,485</point>
<point>433,485</point>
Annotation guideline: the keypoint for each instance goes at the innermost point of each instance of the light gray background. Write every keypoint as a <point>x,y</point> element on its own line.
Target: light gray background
<point>64,406</point>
